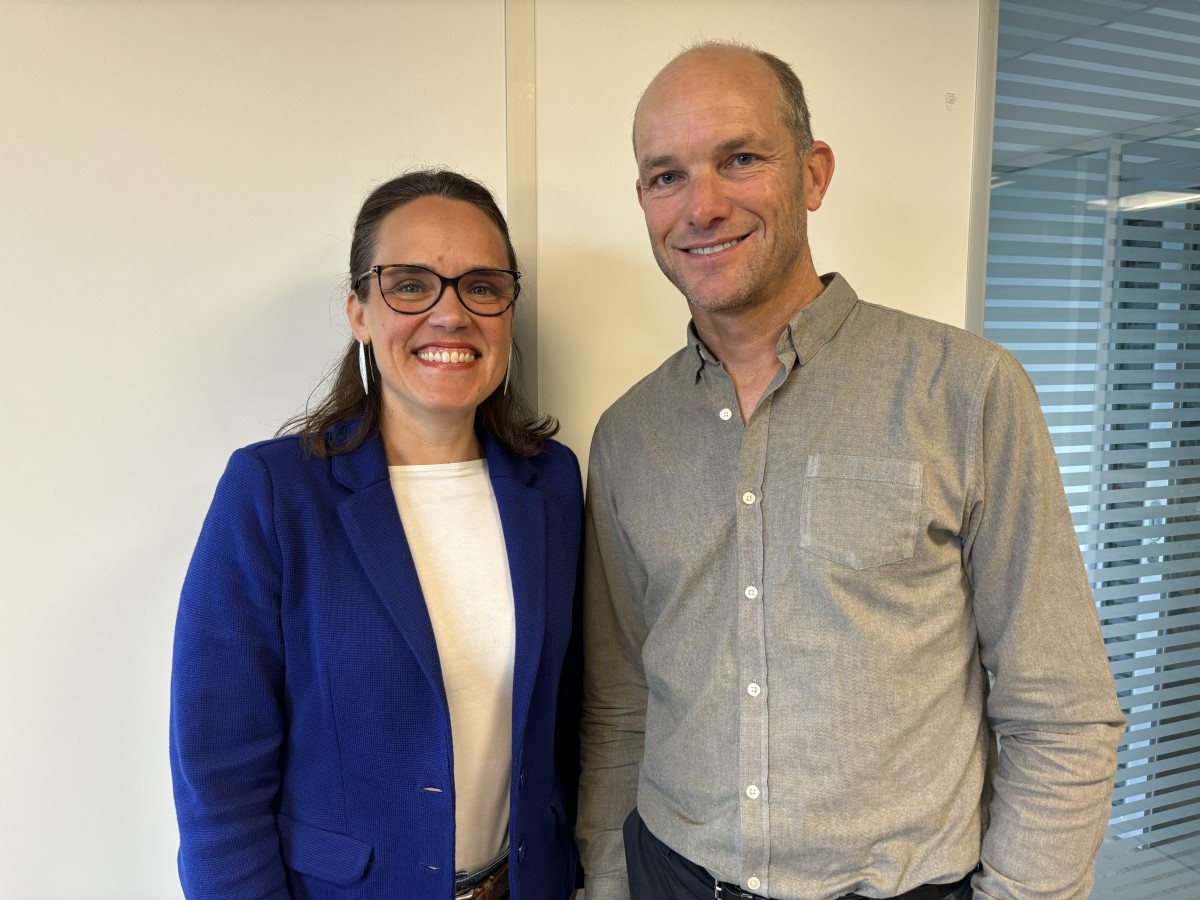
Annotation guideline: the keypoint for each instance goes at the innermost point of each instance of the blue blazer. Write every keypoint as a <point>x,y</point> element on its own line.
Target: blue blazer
<point>310,733</point>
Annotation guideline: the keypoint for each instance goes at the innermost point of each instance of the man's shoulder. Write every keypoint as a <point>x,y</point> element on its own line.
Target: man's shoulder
<point>902,329</point>
<point>662,386</point>
<point>879,315</point>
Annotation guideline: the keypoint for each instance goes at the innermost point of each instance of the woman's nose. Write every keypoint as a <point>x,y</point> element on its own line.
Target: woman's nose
<point>449,312</point>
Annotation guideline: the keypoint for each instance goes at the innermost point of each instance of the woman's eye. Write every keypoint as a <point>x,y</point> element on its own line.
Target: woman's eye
<point>408,287</point>
<point>482,289</point>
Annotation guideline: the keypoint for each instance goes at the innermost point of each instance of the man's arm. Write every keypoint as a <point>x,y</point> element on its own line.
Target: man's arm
<point>612,727</point>
<point>1052,703</point>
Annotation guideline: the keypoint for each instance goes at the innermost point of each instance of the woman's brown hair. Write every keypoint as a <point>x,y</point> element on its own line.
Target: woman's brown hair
<point>325,427</point>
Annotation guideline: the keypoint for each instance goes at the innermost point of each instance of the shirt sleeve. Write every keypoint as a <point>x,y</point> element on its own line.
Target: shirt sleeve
<point>612,725</point>
<point>227,719</point>
<point>1052,702</point>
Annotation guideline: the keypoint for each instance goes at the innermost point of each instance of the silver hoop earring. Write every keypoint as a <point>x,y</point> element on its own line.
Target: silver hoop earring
<point>508,371</point>
<point>362,367</point>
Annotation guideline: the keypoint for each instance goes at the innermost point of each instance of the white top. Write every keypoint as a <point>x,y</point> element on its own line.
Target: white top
<point>453,528</point>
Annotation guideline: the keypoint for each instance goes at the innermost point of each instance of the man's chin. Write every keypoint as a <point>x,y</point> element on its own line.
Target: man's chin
<point>715,302</point>
<point>708,297</point>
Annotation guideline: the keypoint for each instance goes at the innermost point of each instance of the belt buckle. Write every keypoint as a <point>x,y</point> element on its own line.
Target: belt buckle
<point>725,891</point>
<point>491,885</point>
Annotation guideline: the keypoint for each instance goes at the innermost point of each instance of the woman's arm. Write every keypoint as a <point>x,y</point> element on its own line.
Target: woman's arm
<point>227,696</point>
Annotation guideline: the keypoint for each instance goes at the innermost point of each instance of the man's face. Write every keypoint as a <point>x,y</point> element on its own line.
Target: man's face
<point>723,189</point>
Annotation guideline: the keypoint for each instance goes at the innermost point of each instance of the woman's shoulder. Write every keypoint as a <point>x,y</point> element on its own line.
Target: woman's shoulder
<point>557,453</point>
<point>282,464</point>
<point>556,468</point>
<point>274,454</point>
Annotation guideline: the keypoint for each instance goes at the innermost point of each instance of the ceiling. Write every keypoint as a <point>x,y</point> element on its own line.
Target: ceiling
<point>1078,76</point>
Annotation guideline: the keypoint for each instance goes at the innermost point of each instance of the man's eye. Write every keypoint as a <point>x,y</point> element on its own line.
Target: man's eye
<point>666,179</point>
<point>743,159</point>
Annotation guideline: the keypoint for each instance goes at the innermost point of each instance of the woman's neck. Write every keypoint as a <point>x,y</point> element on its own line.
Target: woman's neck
<point>409,442</point>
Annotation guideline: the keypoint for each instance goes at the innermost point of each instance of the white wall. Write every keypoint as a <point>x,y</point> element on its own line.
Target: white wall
<point>177,186</point>
<point>895,220</point>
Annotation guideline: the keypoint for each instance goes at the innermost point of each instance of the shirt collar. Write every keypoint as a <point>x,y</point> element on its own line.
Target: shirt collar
<point>806,332</point>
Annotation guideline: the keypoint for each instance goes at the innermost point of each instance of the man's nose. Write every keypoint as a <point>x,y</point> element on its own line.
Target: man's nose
<point>708,202</point>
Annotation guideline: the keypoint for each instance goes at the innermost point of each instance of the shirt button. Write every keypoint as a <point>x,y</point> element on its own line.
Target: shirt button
<point>753,883</point>
<point>753,689</point>
<point>748,498</point>
<point>752,792</point>
<point>752,592</point>
<point>726,414</point>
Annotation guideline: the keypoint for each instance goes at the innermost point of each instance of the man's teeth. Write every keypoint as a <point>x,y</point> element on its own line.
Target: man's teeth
<point>704,251</point>
<point>447,356</point>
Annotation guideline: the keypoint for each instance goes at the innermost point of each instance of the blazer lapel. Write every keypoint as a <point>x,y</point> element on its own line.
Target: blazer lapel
<point>372,523</point>
<point>523,518</point>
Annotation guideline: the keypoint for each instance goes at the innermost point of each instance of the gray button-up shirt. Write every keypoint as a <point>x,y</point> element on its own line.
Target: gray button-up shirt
<point>789,624</point>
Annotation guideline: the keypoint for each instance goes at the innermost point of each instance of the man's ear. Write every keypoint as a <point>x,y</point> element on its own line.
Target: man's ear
<point>818,172</point>
<point>637,186</point>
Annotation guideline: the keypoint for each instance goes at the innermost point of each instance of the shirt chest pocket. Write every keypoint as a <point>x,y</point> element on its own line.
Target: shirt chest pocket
<point>860,511</point>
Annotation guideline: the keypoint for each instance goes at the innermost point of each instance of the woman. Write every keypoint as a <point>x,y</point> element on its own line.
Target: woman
<point>374,630</point>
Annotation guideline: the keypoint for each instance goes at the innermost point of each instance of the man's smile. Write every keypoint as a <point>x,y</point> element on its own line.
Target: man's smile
<point>712,249</point>
<point>715,248</point>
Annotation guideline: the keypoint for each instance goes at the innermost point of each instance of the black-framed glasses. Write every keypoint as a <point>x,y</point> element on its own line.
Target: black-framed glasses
<point>410,290</point>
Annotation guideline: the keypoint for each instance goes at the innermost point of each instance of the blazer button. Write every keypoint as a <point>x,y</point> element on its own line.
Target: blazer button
<point>521,852</point>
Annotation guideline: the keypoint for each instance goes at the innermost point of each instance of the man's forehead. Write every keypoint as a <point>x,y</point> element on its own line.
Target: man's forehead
<point>706,124</point>
<point>658,147</point>
<point>711,68</point>
<point>701,90</point>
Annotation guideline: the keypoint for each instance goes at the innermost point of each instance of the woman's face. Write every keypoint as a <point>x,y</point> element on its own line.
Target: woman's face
<point>450,237</point>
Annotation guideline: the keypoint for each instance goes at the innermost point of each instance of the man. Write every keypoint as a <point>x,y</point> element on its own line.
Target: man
<point>814,533</point>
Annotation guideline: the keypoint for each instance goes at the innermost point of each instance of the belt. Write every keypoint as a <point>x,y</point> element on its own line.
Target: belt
<point>493,887</point>
<point>725,891</point>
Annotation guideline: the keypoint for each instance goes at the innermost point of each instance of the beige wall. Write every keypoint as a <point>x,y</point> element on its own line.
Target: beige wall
<point>177,183</point>
<point>895,220</point>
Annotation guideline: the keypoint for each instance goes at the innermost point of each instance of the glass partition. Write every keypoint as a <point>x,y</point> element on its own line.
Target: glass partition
<point>1094,283</point>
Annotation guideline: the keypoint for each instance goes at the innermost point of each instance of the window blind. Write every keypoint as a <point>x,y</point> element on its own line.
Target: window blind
<point>1093,281</point>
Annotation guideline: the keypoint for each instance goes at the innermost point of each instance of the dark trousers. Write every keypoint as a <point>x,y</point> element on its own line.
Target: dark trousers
<point>656,872</point>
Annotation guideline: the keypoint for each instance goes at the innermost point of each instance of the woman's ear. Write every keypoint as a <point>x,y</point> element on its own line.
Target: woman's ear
<point>356,315</point>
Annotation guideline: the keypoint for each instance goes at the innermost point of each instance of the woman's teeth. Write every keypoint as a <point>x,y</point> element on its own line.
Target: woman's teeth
<point>447,356</point>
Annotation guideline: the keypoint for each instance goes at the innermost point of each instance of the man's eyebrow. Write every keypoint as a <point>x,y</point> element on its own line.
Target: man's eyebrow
<point>727,146</point>
<point>738,142</point>
<point>655,162</point>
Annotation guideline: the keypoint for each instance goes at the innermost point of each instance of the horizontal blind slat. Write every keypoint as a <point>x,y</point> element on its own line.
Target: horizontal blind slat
<point>1149,755</point>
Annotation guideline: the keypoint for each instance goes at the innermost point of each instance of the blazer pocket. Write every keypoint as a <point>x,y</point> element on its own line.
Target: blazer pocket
<point>328,855</point>
<point>860,511</point>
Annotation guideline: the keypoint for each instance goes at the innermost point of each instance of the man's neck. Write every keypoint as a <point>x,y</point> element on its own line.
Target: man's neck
<point>746,341</point>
